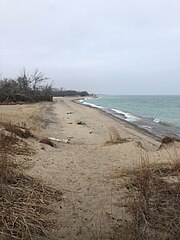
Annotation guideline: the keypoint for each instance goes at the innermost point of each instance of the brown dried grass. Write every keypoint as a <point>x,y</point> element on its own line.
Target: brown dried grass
<point>11,144</point>
<point>24,206</point>
<point>115,138</point>
<point>25,203</point>
<point>153,205</point>
<point>20,131</point>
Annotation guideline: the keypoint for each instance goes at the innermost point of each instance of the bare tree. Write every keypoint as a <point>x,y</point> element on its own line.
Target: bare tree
<point>37,78</point>
<point>24,81</point>
<point>26,88</point>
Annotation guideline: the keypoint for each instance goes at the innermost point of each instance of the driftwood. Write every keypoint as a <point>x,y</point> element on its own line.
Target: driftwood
<point>59,140</point>
<point>47,141</point>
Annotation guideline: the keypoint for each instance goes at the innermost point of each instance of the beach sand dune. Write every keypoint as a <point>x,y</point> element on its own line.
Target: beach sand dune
<point>86,169</point>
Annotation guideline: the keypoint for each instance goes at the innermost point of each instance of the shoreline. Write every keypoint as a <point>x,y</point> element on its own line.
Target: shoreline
<point>156,130</point>
<point>117,119</point>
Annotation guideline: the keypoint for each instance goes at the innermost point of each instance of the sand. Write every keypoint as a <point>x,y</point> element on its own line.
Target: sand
<point>86,169</point>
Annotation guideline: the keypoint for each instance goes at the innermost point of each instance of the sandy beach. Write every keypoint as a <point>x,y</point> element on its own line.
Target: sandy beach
<point>87,169</point>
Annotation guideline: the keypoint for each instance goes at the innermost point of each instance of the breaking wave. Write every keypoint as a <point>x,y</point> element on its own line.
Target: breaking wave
<point>128,116</point>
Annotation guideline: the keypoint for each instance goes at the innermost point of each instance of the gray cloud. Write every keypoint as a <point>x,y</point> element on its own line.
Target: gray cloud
<point>117,46</point>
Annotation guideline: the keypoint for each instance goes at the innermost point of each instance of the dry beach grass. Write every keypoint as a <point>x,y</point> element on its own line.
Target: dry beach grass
<point>115,138</point>
<point>153,201</point>
<point>24,201</point>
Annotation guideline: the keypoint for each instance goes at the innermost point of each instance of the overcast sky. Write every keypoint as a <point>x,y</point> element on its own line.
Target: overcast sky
<point>102,46</point>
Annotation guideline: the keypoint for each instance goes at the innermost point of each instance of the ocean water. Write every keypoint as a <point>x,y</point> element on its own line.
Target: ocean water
<point>159,115</point>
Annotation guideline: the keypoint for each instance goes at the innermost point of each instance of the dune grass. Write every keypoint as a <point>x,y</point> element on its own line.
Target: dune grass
<point>153,201</point>
<point>115,138</point>
<point>25,203</point>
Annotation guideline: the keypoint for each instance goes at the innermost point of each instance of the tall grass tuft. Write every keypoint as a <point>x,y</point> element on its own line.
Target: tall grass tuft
<point>115,138</point>
<point>154,205</point>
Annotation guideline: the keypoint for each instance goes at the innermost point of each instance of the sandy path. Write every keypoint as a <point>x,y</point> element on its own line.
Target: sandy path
<point>84,168</point>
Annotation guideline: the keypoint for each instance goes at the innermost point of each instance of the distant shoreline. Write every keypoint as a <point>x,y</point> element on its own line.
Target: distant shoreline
<point>116,118</point>
<point>158,133</point>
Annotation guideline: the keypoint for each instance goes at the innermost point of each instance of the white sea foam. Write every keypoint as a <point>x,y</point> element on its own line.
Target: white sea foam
<point>145,126</point>
<point>129,117</point>
<point>118,111</point>
<point>93,105</point>
<point>156,120</point>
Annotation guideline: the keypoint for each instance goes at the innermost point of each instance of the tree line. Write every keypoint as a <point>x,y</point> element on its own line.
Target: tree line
<point>69,93</point>
<point>32,88</point>
<point>26,88</point>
